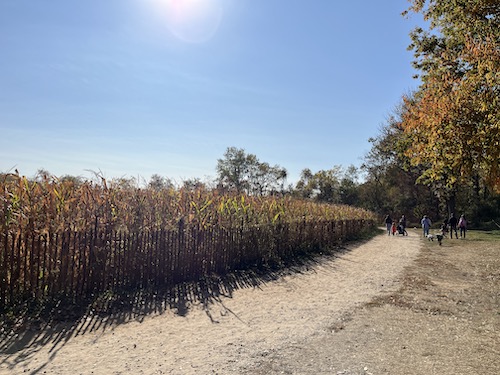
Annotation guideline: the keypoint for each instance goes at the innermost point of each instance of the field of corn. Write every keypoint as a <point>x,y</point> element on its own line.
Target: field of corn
<point>78,239</point>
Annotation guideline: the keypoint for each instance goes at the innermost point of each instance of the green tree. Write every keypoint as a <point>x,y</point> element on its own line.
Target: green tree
<point>158,183</point>
<point>334,185</point>
<point>244,173</point>
<point>305,186</point>
<point>322,186</point>
<point>349,187</point>
<point>390,184</point>
<point>193,184</point>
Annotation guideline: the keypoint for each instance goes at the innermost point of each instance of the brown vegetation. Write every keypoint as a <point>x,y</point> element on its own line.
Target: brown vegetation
<point>64,239</point>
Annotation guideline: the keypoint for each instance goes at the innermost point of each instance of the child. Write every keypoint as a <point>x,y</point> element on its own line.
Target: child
<point>444,228</point>
<point>393,228</point>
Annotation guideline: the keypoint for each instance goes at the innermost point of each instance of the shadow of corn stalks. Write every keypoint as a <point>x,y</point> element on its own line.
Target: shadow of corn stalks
<point>58,321</point>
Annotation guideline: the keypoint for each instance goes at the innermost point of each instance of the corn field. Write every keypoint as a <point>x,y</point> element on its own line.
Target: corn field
<point>78,239</point>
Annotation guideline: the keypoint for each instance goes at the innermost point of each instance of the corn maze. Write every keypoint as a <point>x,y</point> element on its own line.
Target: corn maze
<point>79,239</point>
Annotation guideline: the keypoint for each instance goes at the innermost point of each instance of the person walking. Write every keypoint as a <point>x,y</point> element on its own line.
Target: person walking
<point>426,225</point>
<point>388,224</point>
<point>452,222</point>
<point>462,225</point>
<point>402,226</point>
<point>402,222</point>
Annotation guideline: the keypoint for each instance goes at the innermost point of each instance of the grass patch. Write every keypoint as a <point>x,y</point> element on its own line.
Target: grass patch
<point>483,235</point>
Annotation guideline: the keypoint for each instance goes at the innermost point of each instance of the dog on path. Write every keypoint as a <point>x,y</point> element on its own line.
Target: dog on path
<point>438,237</point>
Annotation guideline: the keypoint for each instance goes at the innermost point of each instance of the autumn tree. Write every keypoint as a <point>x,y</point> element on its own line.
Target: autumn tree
<point>445,136</point>
<point>453,120</point>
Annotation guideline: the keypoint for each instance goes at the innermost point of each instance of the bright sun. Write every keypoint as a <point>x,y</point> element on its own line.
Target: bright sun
<point>194,21</point>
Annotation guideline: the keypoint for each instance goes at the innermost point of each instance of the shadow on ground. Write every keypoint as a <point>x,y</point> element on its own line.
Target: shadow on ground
<point>21,337</point>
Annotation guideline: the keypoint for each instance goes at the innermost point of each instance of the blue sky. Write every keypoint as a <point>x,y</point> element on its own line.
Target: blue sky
<point>137,87</point>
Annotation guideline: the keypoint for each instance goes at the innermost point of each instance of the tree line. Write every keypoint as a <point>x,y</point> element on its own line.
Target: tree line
<point>386,183</point>
<point>438,152</point>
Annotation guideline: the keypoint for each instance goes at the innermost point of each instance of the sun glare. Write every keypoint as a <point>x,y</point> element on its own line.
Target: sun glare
<point>194,21</point>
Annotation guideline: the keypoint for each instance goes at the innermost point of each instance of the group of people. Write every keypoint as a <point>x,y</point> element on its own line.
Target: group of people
<point>449,225</point>
<point>452,225</point>
<point>394,227</point>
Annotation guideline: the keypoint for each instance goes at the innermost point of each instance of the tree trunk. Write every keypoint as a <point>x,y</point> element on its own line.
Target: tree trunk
<point>451,203</point>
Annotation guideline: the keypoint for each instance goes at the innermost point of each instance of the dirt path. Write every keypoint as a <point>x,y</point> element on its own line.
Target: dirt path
<point>237,332</point>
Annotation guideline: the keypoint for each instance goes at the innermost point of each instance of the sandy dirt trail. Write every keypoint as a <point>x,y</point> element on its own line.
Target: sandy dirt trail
<point>230,335</point>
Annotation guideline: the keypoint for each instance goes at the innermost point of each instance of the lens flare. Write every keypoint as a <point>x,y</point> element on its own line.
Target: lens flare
<point>193,21</point>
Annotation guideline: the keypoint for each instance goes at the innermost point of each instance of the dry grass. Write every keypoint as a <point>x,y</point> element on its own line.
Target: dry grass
<point>444,319</point>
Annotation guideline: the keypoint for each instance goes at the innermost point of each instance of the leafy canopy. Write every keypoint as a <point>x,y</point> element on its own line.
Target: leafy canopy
<point>453,120</point>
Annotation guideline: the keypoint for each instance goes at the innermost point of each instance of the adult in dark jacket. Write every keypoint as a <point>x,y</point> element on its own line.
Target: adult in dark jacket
<point>452,222</point>
<point>388,224</point>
